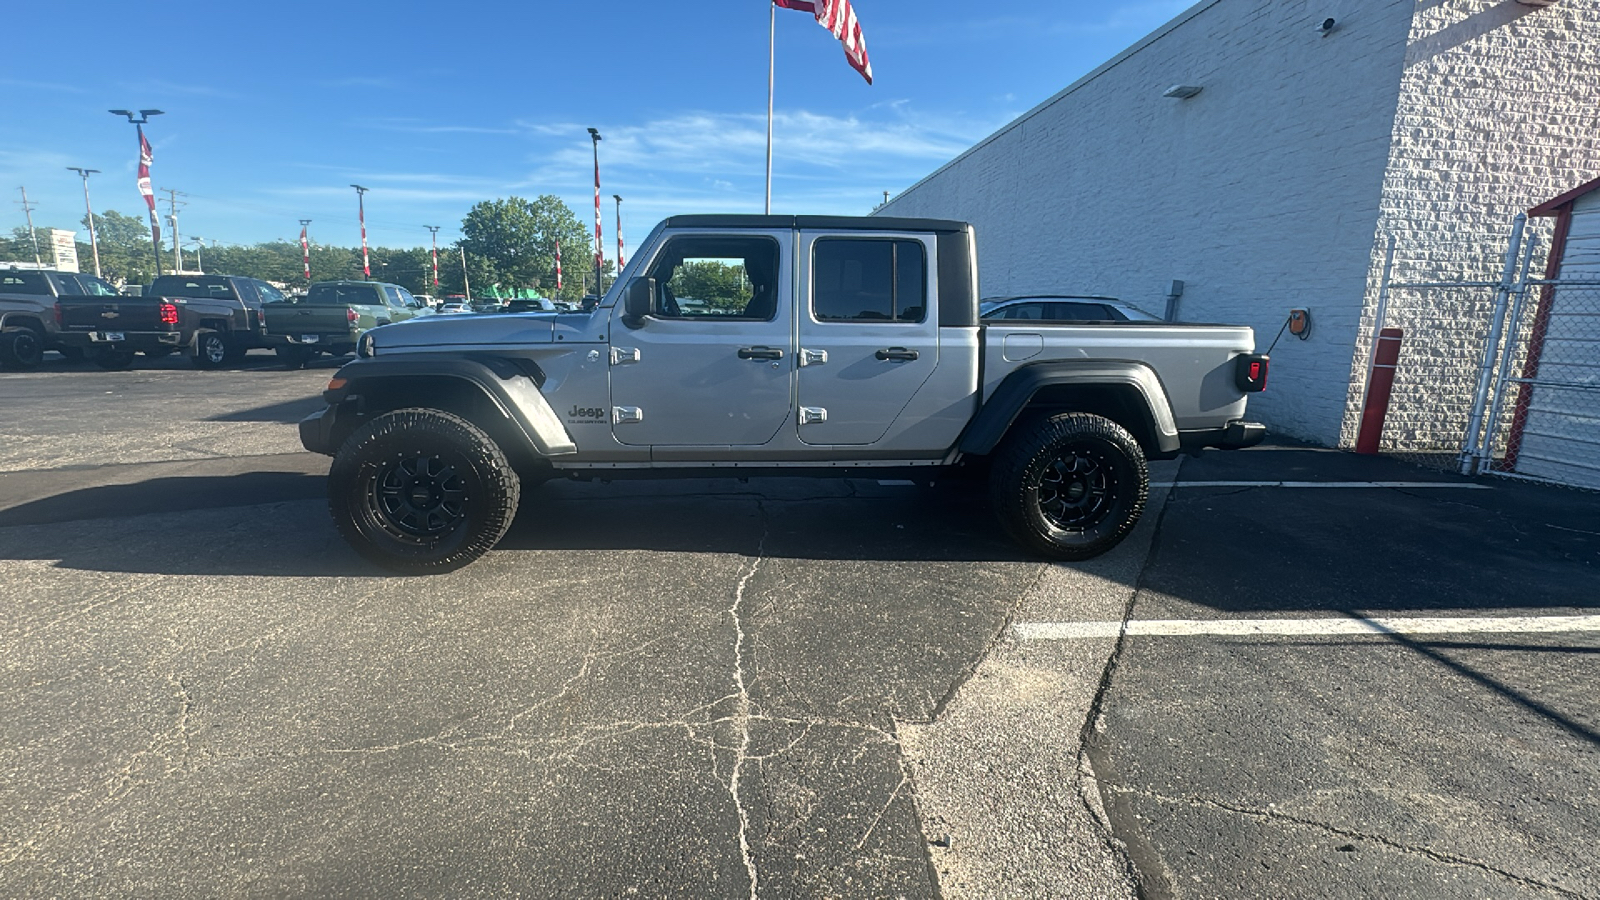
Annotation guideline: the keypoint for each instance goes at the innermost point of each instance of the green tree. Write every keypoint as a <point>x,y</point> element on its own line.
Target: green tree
<point>512,243</point>
<point>716,284</point>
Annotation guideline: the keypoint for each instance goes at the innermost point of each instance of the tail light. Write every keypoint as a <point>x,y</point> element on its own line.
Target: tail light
<point>1250,372</point>
<point>350,315</point>
<point>169,314</point>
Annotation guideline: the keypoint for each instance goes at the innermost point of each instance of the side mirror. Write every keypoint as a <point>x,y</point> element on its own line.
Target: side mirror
<point>639,301</point>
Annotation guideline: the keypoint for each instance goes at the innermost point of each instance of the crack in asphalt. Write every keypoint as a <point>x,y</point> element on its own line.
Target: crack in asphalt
<point>1275,817</point>
<point>742,719</point>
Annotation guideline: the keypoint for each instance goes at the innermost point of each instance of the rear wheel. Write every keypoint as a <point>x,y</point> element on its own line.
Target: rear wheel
<point>21,348</point>
<point>422,491</point>
<point>108,358</point>
<point>210,349</point>
<point>1070,486</point>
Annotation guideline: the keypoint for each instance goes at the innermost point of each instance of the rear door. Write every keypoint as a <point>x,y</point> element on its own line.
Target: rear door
<point>869,335</point>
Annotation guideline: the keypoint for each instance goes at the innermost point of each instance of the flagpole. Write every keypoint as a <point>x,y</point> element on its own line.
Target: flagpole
<point>772,43</point>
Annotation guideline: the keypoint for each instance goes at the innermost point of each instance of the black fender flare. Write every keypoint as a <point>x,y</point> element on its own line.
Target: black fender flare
<point>510,385</point>
<point>1018,389</point>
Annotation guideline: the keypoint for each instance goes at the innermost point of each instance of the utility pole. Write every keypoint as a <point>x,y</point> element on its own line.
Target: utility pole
<point>94,242</point>
<point>172,219</point>
<point>435,230</point>
<point>466,286</point>
<point>28,209</point>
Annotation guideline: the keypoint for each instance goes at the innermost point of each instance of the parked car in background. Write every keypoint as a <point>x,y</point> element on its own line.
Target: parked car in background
<point>534,304</point>
<point>1063,308</point>
<point>28,325</point>
<point>333,315</point>
<point>454,308</point>
<point>215,318</point>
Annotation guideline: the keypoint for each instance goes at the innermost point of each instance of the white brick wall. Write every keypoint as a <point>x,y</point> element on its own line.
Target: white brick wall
<point>1499,111</point>
<point>1266,191</point>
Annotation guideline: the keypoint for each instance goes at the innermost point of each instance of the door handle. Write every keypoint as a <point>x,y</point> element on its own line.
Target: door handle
<point>899,353</point>
<point>760,353</point>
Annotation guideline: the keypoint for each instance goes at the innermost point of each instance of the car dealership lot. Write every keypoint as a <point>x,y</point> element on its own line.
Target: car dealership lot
<point>833,689</point>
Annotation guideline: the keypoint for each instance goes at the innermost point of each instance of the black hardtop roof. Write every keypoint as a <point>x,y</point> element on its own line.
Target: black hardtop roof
<point>829,223</point>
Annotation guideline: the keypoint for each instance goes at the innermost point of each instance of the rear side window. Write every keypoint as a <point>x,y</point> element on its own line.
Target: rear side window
<point>1084,312</point>
<point>22,282</point>
<point>868,280</point>
<point>95,286</point>
<point>190,286</point>
<point>269,294</point>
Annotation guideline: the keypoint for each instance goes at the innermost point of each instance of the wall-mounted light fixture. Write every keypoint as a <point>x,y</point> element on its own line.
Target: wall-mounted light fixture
<point>1181,91</point>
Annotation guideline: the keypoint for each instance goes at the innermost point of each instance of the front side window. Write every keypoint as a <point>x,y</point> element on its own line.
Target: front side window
<point>96,287</point>
<point>717,278</point>
<point>18,281</point>
<point>868,279</point>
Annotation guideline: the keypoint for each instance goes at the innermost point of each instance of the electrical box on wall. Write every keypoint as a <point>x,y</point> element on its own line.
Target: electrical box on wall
<point>1300,323</point>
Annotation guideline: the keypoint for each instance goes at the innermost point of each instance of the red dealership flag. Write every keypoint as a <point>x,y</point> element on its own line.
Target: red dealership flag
<point>840,19</point>
<point>147,156</point>
<point>305,250</point>
<point>558,265</point>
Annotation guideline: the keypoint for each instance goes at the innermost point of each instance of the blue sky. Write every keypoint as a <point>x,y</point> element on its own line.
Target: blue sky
<point>273,110</point>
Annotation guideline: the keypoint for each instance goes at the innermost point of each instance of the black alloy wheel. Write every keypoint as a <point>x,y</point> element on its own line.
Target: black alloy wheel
<point>1070,486</point>
<point>422,491</point>
<point>21,348</point>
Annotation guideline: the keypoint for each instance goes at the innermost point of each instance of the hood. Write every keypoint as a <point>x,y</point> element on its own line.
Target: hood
<point>451,332</point>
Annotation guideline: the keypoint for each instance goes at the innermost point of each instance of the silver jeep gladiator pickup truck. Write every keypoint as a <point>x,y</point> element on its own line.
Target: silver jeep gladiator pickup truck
<point>738,345</point>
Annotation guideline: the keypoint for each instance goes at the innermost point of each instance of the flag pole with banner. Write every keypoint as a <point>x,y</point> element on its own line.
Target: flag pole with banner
<point>147,156</point>
<point>839,17</point>
<point>305,250</point>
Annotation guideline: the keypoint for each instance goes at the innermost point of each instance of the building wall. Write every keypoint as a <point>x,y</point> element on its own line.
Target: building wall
<point>1261,193</point>
<point>1498,110</point>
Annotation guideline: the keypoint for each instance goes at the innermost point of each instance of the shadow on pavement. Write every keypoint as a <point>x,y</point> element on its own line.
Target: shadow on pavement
<point>289,412</point>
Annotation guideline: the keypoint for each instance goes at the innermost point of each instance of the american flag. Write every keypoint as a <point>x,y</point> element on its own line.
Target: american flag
<point>840,19</point>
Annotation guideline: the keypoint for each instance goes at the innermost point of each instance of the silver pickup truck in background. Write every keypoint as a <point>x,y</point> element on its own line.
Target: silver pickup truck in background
<point>790,345</point>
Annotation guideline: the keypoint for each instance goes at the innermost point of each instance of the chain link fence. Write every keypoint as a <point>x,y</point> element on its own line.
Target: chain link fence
<point>1500,375</point>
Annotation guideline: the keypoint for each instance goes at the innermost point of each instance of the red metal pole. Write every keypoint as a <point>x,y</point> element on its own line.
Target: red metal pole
<point>1386,358</point>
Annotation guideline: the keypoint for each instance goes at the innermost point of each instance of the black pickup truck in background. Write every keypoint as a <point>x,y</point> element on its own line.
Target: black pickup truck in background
<point>28,325</point>
<point>215,318</point>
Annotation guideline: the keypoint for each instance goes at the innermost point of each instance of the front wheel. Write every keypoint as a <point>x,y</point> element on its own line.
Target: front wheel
<point>422,491</point>
<point>1070,486</point>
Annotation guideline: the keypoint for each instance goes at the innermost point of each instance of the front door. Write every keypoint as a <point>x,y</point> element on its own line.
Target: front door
<point>713,364</point>
<point>869,335</point>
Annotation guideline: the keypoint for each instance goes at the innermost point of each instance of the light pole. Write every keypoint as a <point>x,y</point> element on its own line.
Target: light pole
<point>199,260</point>
<point>620,263</point>
<point>435,230</point>
<point>361,208</point>
<point>145,157</point>
<point>94,242</point>
<point>599,248</point>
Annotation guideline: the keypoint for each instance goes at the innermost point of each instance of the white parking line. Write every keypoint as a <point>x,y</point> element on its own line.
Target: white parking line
<point>1466,485</point>
<point>1066,631</point>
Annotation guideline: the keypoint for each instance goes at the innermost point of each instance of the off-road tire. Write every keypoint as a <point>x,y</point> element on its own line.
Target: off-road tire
<point>422,491</point>
<point>210,349</point>
<point>112,360</point>
<point>21,348</point>
<point>1070,486</point>
<point>292,357</point>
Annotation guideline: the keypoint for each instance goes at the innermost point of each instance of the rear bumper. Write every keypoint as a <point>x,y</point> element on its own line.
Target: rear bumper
<point>1235,435</point>
<point>124,340</point>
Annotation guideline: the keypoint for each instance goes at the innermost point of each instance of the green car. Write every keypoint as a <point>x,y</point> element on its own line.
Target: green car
<point>333,315</point>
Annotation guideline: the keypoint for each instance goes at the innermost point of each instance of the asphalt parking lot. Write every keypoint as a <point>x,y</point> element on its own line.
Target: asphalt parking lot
<point>774,688</point>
